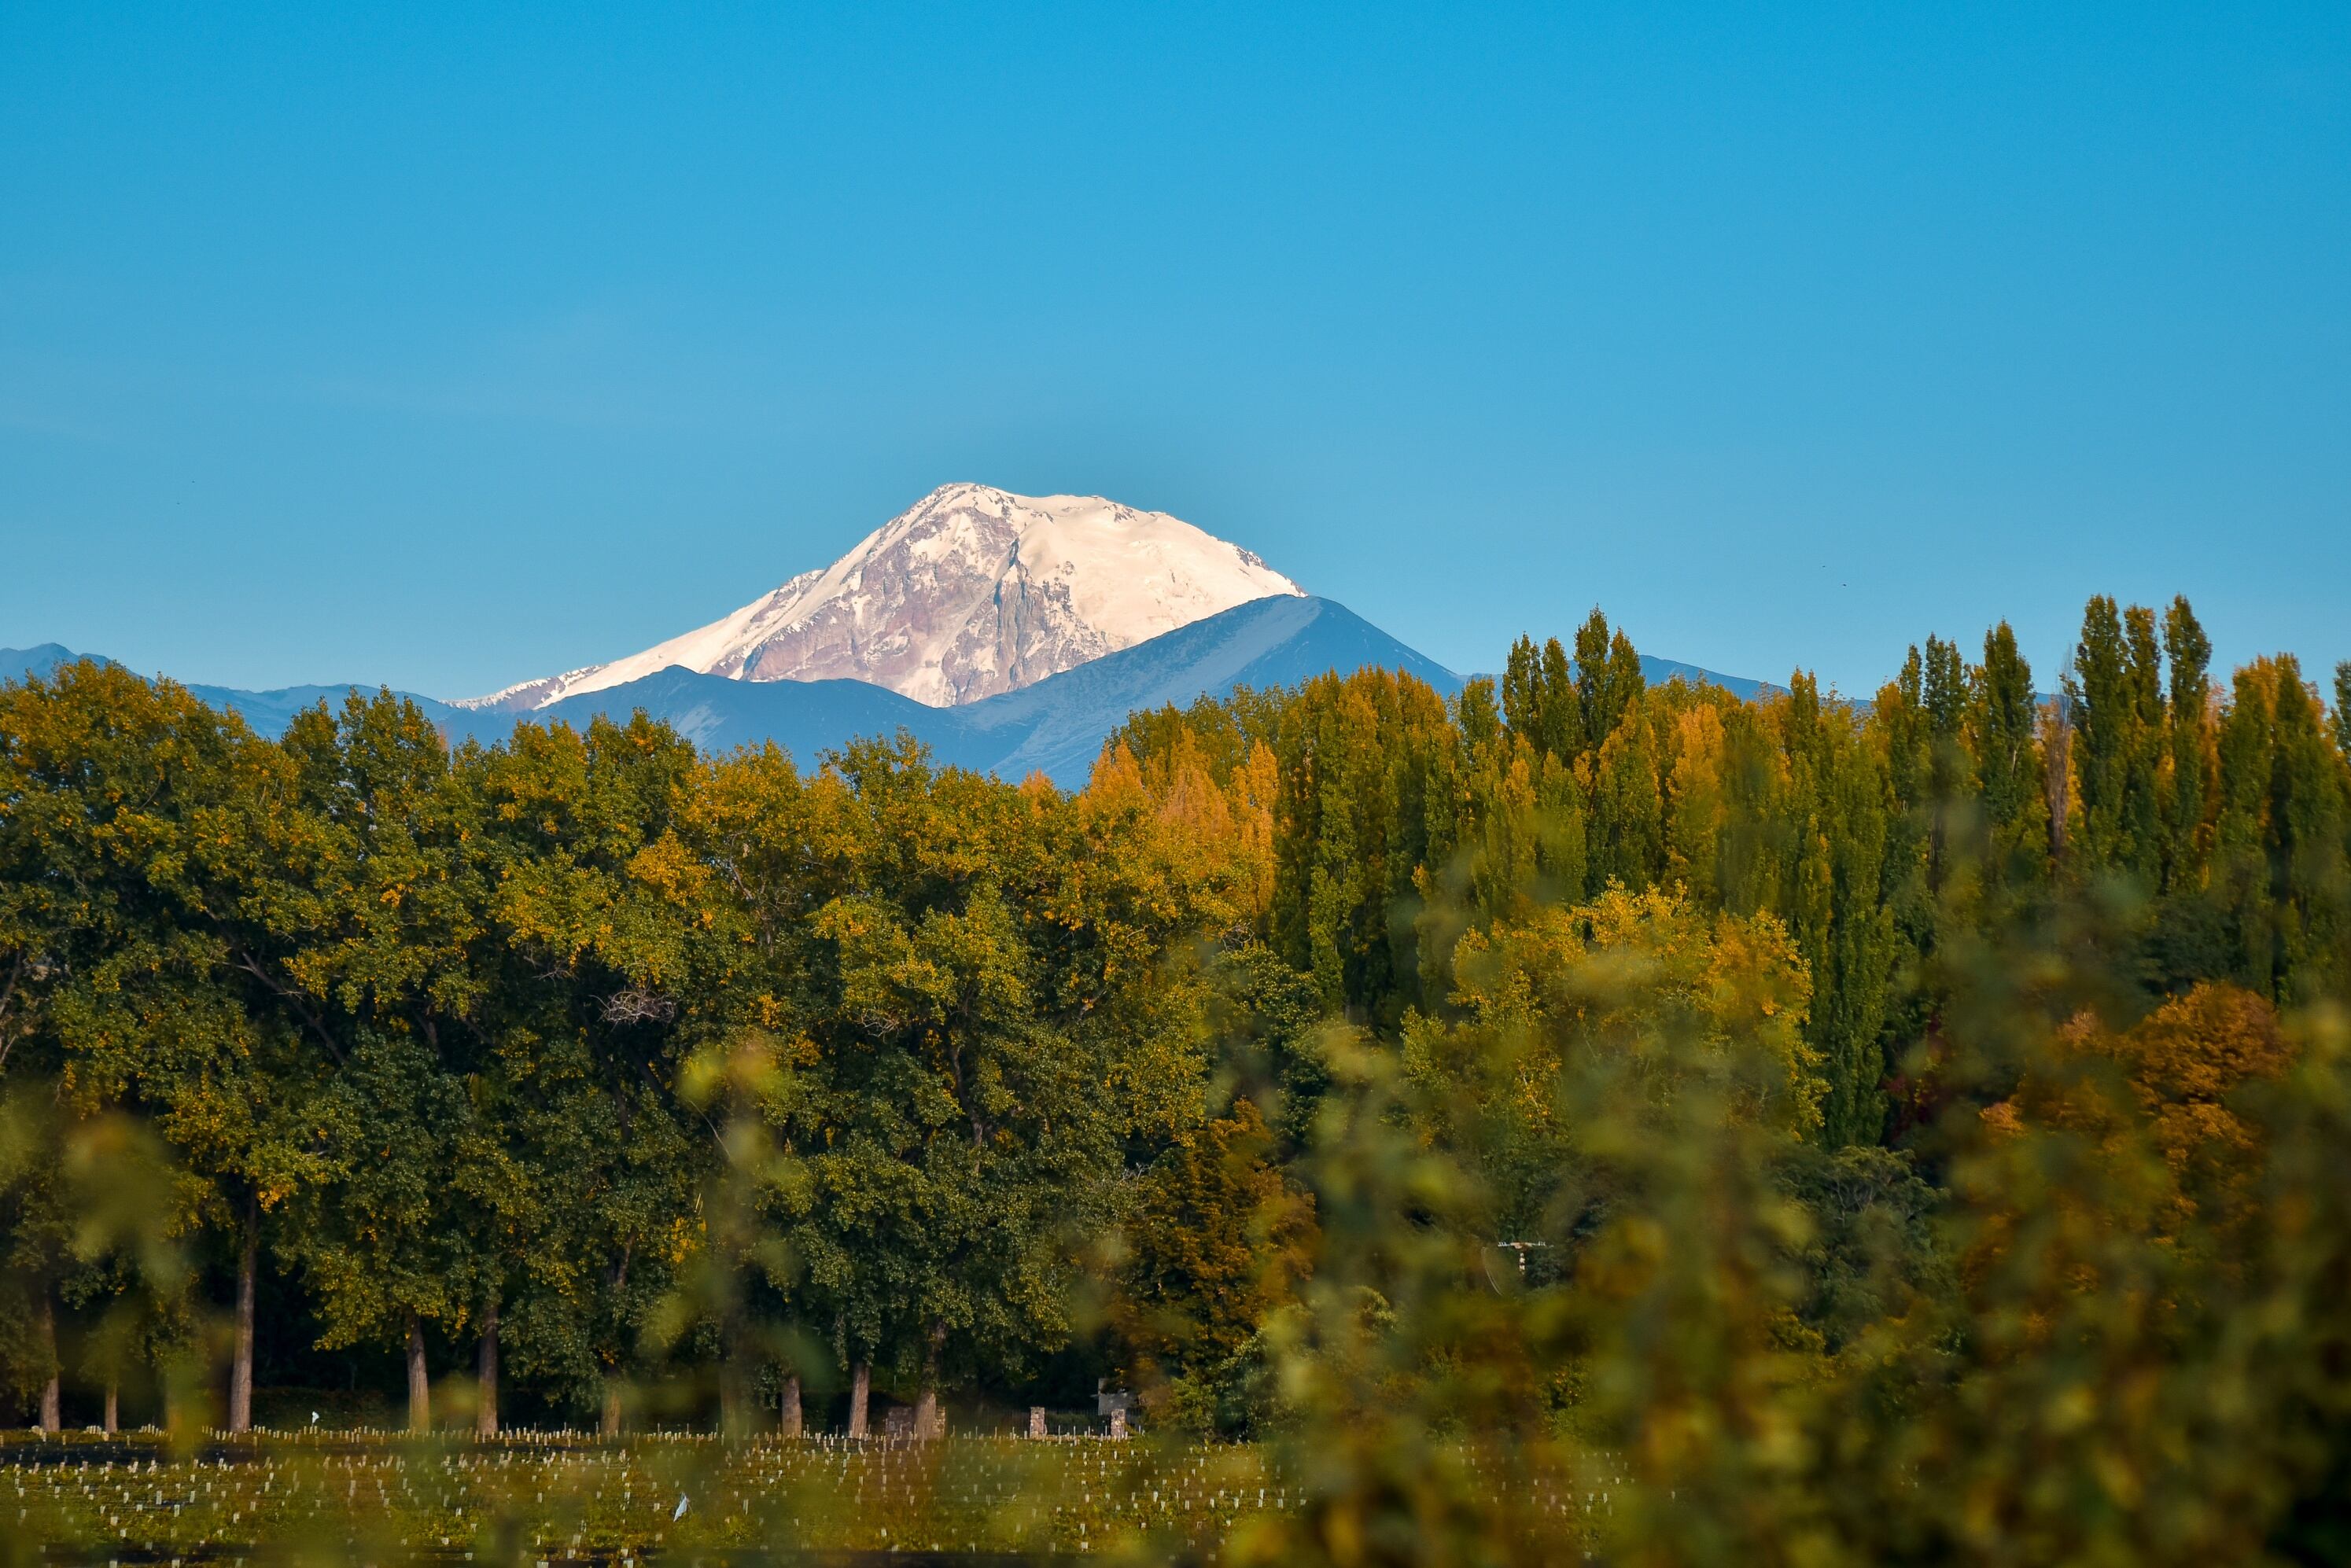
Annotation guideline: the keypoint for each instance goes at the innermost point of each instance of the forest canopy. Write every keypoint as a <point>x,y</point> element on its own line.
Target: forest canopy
<point>1898,1126</point>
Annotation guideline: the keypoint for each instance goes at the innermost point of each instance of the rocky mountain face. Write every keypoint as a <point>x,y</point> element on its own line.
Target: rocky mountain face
<point>972,593</point>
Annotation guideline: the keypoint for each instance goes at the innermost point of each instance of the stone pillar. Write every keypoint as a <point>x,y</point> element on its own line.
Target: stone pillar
<point>1036,1420</point>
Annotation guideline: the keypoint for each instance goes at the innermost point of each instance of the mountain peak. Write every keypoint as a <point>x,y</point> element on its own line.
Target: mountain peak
<point>971,592</point>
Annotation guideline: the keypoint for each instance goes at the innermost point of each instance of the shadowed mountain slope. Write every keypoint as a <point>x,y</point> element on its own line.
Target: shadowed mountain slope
<point>1055,727</point>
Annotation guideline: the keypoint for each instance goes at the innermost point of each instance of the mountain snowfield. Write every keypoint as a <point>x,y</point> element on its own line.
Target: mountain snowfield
<point>971,592</point>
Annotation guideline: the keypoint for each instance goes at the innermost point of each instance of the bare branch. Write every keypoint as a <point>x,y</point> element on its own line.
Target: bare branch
<point>635,1006</point>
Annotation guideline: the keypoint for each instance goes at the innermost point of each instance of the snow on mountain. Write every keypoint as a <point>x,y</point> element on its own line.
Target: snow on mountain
<point>971,592</point>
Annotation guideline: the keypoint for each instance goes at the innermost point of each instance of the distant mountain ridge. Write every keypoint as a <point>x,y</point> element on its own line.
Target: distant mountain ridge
<point>40,659</point>
<point>267,712</point>
<point>1662,672</point>
<point>1008,633</point>
<point>969,592</point>
<point>1055,725</point>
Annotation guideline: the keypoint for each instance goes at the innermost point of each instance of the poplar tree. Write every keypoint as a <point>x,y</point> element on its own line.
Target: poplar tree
<point>2188,783</point>
<point>1540,699</point>
<point>1365,799</point>
<point>2004,726</point>
<point>2115,693</point>
<point>1608,681</point>
<point>1836,907</point>
<point>2342,716</point>
<point>2307,819</point>
<point>1561,719</point>
<point>2241,869</point>
<point>1521,689</point>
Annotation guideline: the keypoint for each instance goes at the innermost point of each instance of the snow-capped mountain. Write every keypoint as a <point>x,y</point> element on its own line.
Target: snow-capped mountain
<point>1055,727</point>
<point>971,592</point>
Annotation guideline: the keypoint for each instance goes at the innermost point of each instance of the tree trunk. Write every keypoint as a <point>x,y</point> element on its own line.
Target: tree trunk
<point>611,1427</point>
<point>485,1374</point>
<point>789,1424</point>
<point>420,1392</point>
<point>860,1383</point>
<point>240,1370</point>
<point>53,1416</point>
<point>928,1423</point>
<point>113,1407</point>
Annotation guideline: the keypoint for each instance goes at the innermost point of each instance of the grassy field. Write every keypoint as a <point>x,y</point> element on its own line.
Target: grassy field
<point>380,1498</point>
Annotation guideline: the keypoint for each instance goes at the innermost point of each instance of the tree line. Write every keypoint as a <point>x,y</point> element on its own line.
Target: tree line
<point>626,1067</point>
<point>454,1041</point>
<point>1388,822</point>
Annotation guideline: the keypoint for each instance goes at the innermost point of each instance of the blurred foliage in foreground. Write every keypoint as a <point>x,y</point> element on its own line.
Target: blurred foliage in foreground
<point>1576,1118</point>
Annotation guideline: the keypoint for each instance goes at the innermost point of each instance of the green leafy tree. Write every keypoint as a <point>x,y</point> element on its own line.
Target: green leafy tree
<point>614,943</point>
<point>139,824</point>
<point>2115,693</point>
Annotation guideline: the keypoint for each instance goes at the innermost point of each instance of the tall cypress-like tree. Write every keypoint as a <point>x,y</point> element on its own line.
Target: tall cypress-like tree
<point>2189,781</point>
<point>2307,814</point>
<point>1560,723</point>
<point>2142,812</point>
<point>2115,693</point>
<point>1608,679</point>
<point>2242,873</point>
<point>1540,699</point>
<point>2004,725</point>
<point>1363,807</point>
<point>1522,689</point>
<point>2102,718</point>
<point>1627,833</point>
<point>1952,775</point>
<point>2342,718</point>
<point>1837,909</point>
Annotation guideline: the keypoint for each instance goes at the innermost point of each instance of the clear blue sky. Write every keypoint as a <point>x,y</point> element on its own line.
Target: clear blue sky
<point>448,346</point>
